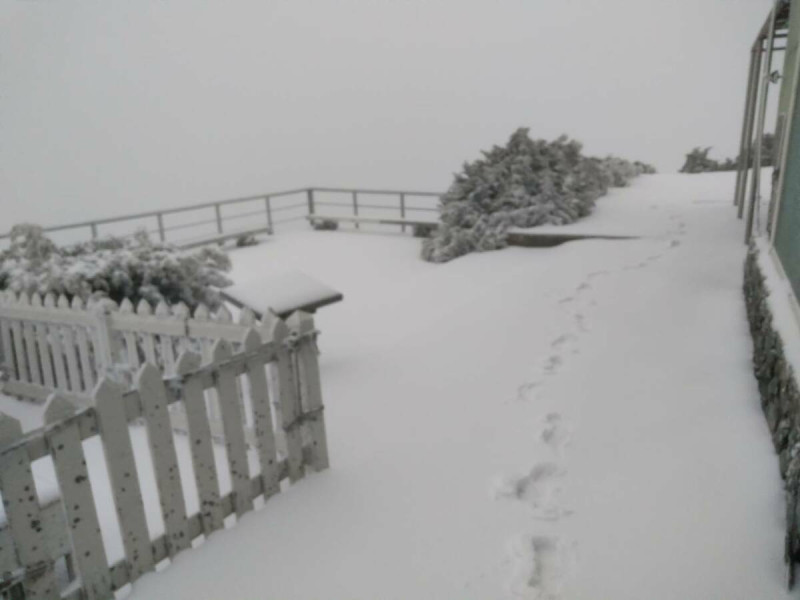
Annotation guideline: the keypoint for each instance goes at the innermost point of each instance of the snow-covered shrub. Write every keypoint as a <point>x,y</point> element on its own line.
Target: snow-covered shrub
<point>114,268</point>
<point>325,225</point>
<point>245,240</point>
<point>522,184</point>
<point>424,230</point>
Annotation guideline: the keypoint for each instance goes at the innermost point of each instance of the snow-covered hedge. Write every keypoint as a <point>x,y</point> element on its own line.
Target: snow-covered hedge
<point>522,184</point>
<point>115,268</point>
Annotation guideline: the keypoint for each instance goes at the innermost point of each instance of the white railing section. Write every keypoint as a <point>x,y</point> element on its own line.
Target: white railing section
<point>38,534</point>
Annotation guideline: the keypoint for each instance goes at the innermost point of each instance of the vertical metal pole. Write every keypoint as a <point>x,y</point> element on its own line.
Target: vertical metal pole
<point>94,230</point>
<point>269,213</point>
<point>747,159</point>
<point>219,218</point>
<point>403,210</point>
<point>755,191</point>
<point>310,193</point>
<point>742,166</point>
<point>161,233</point>
<point>355,207</point>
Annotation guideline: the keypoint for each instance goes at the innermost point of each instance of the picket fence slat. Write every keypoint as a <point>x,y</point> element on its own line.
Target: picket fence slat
<point>57,344</point>
<point>24,516</point>
<point>66,450</point>
<point>72,360</point>
<point>19,351</point>
<point>233,424</point>
<point>8,349</point>
<point>262,416</point>
<point>123,475</point>
<point>205,470</point>
<point>44,355</point>
<point>33,357</point>
<point>162,449</point>
<point>87,365</point>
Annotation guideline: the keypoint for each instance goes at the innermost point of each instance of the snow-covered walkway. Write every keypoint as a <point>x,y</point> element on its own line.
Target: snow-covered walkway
<point>579,422</point>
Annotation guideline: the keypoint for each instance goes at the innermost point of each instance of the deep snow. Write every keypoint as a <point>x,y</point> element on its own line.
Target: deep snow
<point>578,422</point>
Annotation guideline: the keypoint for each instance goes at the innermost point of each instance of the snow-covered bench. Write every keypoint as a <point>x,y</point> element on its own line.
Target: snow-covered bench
<point>283,293</point>
<point>371,220</point>
<point>218,238</point>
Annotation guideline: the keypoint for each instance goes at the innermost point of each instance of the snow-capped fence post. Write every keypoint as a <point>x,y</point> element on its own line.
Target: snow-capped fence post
<point>301,325</point>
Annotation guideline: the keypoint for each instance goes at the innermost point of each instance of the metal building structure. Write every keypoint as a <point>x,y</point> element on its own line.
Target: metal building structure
<point>780,228</point>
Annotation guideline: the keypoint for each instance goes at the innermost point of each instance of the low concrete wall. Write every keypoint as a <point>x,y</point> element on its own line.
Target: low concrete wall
<point>780,398</point>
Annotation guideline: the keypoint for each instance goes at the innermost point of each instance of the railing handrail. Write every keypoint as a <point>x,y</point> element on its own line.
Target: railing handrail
<point>93,223</point>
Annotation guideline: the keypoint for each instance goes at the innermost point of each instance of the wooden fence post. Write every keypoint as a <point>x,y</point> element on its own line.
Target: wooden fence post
<point>69,460</point>
<point>289,402</point>
<point>355,207</point>
<point>113,425</point>
<point>310,387</point>
<point>24,516</point>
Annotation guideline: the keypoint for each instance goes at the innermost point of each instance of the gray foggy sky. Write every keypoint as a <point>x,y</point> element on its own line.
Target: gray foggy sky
<point>111,107</point>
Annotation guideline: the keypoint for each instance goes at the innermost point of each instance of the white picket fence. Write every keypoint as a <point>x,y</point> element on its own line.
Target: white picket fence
<point>50,344</point>
<point>38,535</point>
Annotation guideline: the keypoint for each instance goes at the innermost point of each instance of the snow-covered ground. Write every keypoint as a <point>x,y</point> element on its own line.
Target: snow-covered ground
<point>578,422</point>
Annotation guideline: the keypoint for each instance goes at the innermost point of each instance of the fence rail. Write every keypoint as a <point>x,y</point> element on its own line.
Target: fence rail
<point>264,374</point>
<point>210,218</point>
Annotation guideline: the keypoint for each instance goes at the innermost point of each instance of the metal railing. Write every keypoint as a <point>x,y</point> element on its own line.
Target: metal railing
<point>263,213</point>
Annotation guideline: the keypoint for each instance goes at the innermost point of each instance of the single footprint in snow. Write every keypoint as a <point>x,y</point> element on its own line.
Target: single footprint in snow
<point>552,364</point>
<point>584,286</point>
<point>556,433</point>
<point>526,390</point>
<point>580,321</point>
<point>566,300</point>
<point>674,243</point>
<point>540,489</point>
<point>594,274</point>
<point>542,566</point>
<point>562,340</point>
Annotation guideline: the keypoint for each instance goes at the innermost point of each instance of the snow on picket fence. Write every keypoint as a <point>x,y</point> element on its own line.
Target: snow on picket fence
<point>273,359</point>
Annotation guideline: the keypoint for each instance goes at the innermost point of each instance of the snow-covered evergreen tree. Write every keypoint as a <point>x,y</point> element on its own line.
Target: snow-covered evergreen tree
<point>113,268</point>
<point>522,184</point>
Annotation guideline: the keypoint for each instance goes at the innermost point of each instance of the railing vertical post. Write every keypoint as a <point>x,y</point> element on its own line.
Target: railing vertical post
<point>355,207</point>
<point>219,218</point>
<point>403,210</point>
<point>269,213</point>
<point>161,233</point>
<point>94,230</point>
<point>310,194</point>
